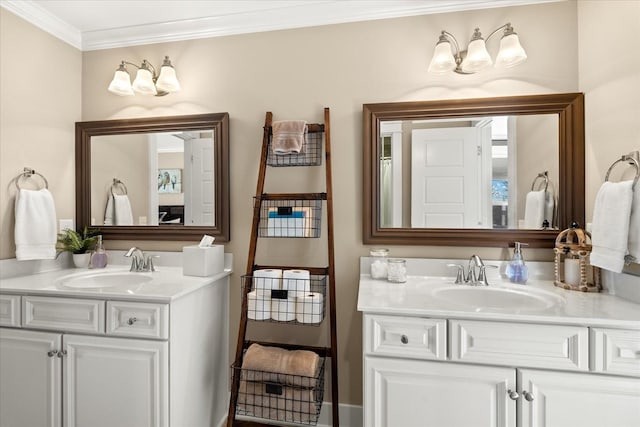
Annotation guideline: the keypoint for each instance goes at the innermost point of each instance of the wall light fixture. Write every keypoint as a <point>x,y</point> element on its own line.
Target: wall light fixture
<point>147,82</point>
<point>476,58</point>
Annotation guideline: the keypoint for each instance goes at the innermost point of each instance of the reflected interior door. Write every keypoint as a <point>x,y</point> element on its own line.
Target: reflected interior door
<point>449,181</point>
<point>199,197</point>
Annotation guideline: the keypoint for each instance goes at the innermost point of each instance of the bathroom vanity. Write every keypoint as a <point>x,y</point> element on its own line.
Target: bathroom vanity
<point>112,348</point>
<point>441,354</point>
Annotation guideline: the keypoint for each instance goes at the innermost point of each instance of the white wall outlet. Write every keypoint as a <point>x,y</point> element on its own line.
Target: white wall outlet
<point>63,224</point>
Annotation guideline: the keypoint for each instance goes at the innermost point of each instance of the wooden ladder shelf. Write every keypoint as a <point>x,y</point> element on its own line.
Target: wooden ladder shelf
<point>301,210</point>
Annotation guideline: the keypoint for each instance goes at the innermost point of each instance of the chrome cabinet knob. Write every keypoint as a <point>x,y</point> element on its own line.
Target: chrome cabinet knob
<point>62,353</point>
<point>513,395</point>
<point>404,339</point>
<point>52,353</point>
<point>131,321</point>
<point>528,396</point>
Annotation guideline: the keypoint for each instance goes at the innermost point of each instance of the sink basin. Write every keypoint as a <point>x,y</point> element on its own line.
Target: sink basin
<point>488,297</point>
<point>103,279</point>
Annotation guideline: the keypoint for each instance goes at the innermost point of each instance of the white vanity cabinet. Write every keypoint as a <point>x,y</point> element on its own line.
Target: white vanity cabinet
<point>488,373</point>
<point>92,362</point>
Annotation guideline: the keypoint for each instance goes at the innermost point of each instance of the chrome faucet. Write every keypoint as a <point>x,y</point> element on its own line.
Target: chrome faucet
<point>139,261</point>
<point>472,278</point>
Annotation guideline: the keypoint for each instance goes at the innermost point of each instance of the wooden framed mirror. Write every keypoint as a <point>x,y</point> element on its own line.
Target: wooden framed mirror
<point>566,113</point>
<point>173,172</point>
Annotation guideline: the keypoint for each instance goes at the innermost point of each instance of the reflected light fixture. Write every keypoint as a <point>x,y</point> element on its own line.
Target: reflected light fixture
<point>147,82</point>
<point>448,56</point>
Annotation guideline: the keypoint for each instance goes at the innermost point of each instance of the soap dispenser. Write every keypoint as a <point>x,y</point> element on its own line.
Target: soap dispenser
<point>99,256</point>
<point>517,271</point>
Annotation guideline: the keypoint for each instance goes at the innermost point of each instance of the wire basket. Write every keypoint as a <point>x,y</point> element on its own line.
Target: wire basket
<point>290,218</point>
<point>288,299</point>
<point>280,397</point>
<point>310,155</point>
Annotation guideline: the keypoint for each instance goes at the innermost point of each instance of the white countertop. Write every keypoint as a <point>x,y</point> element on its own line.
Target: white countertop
<point>166,284</point>
<point>416,298</point>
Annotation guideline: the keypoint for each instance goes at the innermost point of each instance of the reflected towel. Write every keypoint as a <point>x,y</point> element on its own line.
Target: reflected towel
<point>550,207</point>
<point>288,136</point>
<point>274,364</point>
<point>634,226</point>
<point>35,227</point>
<point>610,228</point>
<point>279,403</point>
<point>118,210</point>
<point>534,209</point>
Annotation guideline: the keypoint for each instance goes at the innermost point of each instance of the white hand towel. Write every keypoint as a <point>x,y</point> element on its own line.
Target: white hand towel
<point>534,209</point>
<point>35,228</point>
<point>109,212</point>
<point>610,228</point>
<point>634,226</point>
<point>122,209</point>
<point>549,206</point>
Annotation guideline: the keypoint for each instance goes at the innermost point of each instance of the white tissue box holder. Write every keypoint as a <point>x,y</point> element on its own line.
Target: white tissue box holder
<point>202,262</point>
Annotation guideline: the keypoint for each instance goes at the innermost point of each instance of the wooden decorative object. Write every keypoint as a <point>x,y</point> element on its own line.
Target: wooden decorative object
<point>573,248</point>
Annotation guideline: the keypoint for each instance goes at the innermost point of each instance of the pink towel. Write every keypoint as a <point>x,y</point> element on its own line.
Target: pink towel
<point>288,136</point>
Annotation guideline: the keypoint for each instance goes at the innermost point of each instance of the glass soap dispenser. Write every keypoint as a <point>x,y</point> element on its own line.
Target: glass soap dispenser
<point>98,256</point>
<point>517,271</point>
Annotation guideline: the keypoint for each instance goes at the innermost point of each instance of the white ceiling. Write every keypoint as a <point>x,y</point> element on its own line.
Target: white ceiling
<point>102,24</point>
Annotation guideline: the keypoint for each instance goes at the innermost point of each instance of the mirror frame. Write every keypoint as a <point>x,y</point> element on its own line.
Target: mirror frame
<point>218,122</point>
<point>570,110</point>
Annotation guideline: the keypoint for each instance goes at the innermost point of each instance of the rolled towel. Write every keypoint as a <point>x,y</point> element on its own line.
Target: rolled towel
<point>281,403</point>
<point>277,365</point>
<point>610,227</point>
<point>534,209</point>
<point>35,227</point>
<point>288,136</point>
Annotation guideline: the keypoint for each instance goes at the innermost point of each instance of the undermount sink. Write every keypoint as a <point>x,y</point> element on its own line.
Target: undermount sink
<point>488,297</point>
<point>103,279</point>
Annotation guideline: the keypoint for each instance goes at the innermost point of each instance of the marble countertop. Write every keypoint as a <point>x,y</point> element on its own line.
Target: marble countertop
<point>419,297</point>
<point>166,284</point>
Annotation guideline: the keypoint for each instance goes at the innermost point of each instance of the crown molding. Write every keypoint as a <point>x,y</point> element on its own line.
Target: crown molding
<point>298,16</point>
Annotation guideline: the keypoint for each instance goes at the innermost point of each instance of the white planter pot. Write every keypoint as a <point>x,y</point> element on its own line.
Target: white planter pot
<point>81,260</point>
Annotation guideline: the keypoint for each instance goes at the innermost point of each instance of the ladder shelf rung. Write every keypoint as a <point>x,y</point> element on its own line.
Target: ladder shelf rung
<point>293,196</point>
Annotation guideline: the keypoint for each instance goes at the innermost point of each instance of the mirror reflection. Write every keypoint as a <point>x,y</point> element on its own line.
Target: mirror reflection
<point>487,172</point>
<point>158,178</point>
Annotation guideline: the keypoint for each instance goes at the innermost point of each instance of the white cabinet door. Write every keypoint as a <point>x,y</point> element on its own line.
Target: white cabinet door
<point>409,393</point>
<point>30,388</point>
<point>115,382</point>
<point>561,399</point>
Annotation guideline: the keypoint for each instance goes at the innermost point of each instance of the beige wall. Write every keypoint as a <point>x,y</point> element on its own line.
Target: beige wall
<point>39,103</point>
<point>295,73</point>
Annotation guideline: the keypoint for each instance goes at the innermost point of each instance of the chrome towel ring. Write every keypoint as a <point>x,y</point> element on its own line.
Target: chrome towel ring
<point>28,173</point>
<point>632,159</point>
<point>118,185</point>
<point>542,175</point>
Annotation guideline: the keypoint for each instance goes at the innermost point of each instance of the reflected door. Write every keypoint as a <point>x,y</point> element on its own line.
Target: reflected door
<point>199,194</point>
<point>448,188</point>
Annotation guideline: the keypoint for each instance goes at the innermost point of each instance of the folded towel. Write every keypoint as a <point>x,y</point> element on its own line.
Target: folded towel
<point>281,403</point>
<point>634,226</point>
<point>610,227</point>
<point>534,209</point>
<point>118,210</point>
<point>288,136</point>
<point>35,228</point>
<point>274,364</point>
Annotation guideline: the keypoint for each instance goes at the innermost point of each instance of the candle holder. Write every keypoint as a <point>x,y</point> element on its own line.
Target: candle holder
<point>572,267</point>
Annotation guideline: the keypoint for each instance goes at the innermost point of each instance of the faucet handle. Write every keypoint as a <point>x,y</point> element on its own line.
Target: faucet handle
<point>482,276</point>
<point>460,273</point>
<point>148,263</point>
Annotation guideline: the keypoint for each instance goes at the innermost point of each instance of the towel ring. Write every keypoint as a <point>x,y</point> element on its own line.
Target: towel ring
<point>632,161</point>
<point>117,183</point>
<point>542,175</point>
<point>28,173</point>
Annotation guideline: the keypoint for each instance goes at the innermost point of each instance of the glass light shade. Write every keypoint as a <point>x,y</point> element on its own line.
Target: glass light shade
<point>121,84</point>
<point>443,59</point>
<point>144,82</point>
<point>167,81</point>
<point>511,52</point>
<point>477,57</point>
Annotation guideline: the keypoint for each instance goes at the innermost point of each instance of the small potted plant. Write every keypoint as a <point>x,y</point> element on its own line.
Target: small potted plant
<point>79,244</point>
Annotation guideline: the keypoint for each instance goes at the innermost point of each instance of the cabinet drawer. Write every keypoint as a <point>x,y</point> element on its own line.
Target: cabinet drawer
<point>520,344</point>
<point>405,337</point>
<point>63,314</point>
<point>138,319</point>
<point>615,351</point>
<point>10,310</point>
